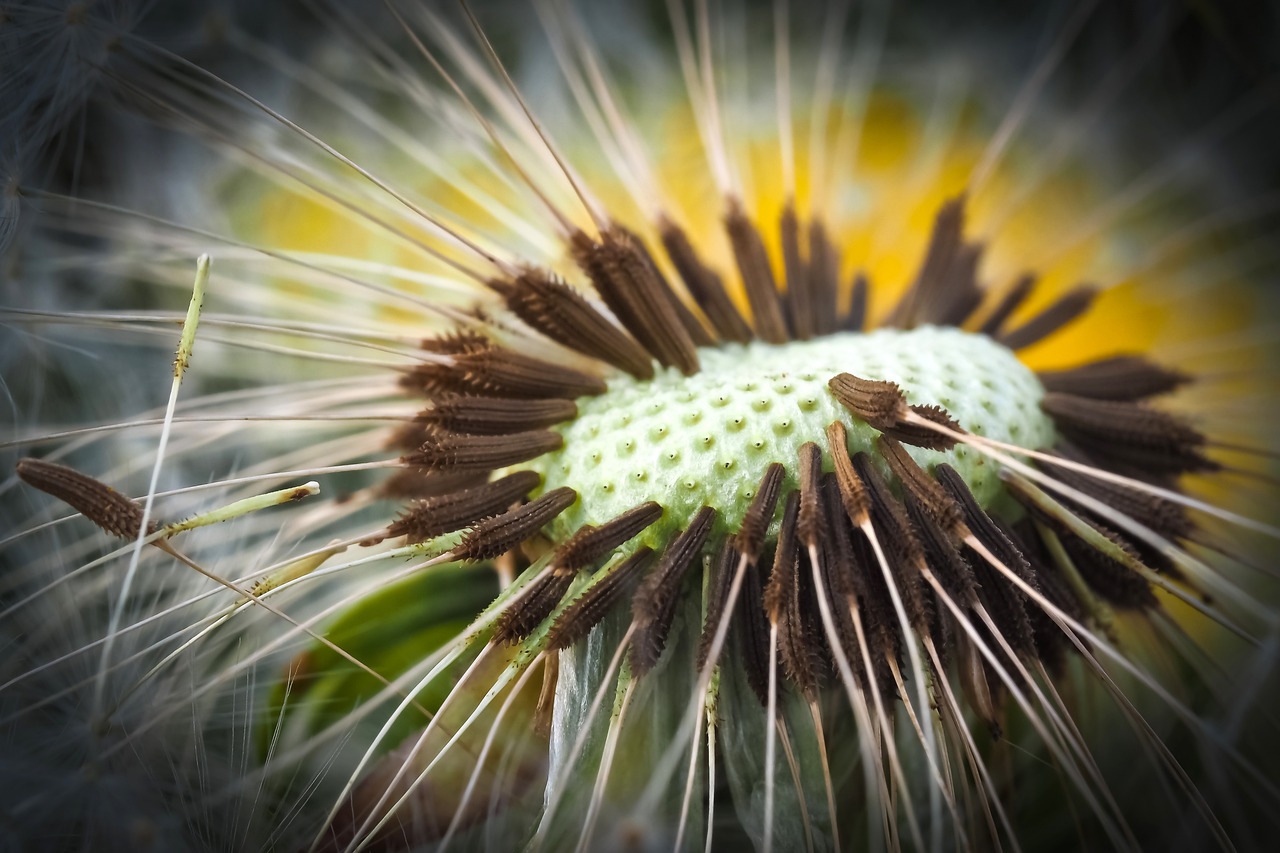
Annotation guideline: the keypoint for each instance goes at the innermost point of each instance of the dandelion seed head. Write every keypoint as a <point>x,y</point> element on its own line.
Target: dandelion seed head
<point>718,457</point>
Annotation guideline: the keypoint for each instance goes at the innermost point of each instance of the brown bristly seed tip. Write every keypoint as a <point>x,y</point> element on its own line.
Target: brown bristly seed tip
<point>434,516</point>
<point>798,298</point>
<point>653,607</point>
<point>879,403</point>
<point>95,500</point>
<point>939,284</point>
<point>718,598</point>
<point>555,309</point>
<point>495,415</point>
<point>901,547</point>
<point>809,522</point>
<point>577,620</point>
<point>1167,518</point>
<point>1009,607</point>
<point>883,407</point>
<point>940,506</point>
<point>922,436</point>
<point>787,601</point>
<point>637,294</point>
<point>842,575</point>
<point>448,451</point>
<point>824,279</point>
<point>525,614</point>
<point>704,285</point>
<point>1125,378</point>
<point>1130,433</point>
<point>750,630</point>
<point>853,494</point>
<point>757,275</point>
<point>479,366</point>
<point>1068,308</point>
<point>755,524</point>
<point>591,543</point>
<point>856,318</point>
<point>1017,294</point>
<point>495,536</point>
<point>1119,585</point>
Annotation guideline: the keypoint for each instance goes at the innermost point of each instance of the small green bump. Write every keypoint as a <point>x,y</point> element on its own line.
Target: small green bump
<point>719,401</point>
<point>692,416</point>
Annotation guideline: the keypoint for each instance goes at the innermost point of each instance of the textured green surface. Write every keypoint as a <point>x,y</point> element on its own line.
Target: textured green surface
<point>707,439</point>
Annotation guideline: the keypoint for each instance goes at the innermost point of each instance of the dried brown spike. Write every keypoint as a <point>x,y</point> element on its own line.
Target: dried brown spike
<point>1118,584</point>
<point>809,525</point>
<point>921,436</point>
<point>698,331</point>
<point>1007,604</point>
<point>941,507</point>
<point>561,313</point>
<point>777,590</point>
<point>798,299</point>
<point>755,524</point>
<point>526,613</point>
<point>879,403</point>
<point>757,275</point>
<point>961,295</point>
<point>899,542</point>
<point>721,583</point>
<point>495,415</point>
<point>824,279</point>
<point>704,285</point>
<point>1123,377</point>
<point>1051,644</point>
<point>637,294</point>
<point>842,572</point>
<point>446,513</point>
<point>1167,518</point>
<point>456,342</point>
<point>751,635</point>
<point>856,317</point>
<point>918,302</point>
<point>857,504</point>
<point>95,500</point>
<point>654,605</point>
<point>416,484</point>
<point>481,367</point>
<point>1132,432</point>
<point>498,535</point>
<point>1008,304</point>
<point>1068,307</point>
<point>942,553</point>
<point>591,543</point>
<point>577,620</point>
<point>449,451</point>
<point>788,600</point>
